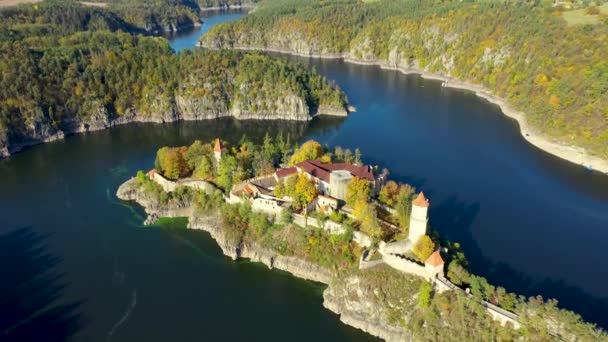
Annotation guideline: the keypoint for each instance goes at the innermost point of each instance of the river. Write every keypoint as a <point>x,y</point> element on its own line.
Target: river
<point>76,262</point>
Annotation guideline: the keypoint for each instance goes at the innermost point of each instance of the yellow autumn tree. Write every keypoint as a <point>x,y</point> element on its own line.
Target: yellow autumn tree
<point>424,248</point>
<point>310,150</point>
<point>305,190</point>
<point>357,189</point>
<point>366,214</point>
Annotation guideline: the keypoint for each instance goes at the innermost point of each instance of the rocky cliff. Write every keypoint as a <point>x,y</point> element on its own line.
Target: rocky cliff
<point>38,128</point>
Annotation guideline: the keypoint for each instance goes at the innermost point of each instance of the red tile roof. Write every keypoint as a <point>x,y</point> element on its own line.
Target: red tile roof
<point>435,259</point>
<point>319,170</point>
<point>421,201</point>
<point>281,173</point>
<point>151,173</point>
<point>219,147</point>
<point>250,189</point>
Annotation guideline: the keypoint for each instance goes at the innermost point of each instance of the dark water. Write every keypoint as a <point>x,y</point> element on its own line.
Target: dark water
<point>188,39</point>
<point>526,220</point>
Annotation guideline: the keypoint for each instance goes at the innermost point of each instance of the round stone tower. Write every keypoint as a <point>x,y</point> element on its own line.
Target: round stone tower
<point>418,218</point>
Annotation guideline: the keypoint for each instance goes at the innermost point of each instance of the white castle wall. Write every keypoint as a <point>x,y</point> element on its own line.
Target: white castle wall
<point>267,206</point>
<point>362,239</point>
<point>167,185</point>
<point>405,265</point>
<point>170,186</point>
<point>418,223</point>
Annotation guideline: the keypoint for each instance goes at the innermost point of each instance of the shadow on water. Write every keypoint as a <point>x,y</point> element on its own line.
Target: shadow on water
<point>30,289</point>
<point>459,216</point>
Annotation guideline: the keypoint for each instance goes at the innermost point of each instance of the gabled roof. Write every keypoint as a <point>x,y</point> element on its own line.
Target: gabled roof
<point>421,201</point>
<point>282,173</point>
<point>219,147</point>
<point>435,259</point>
<point>319,170</point>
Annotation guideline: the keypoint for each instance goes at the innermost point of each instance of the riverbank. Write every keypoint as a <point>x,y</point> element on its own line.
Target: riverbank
<point>571,153</point>
<point>228,8</point>
<point>79,126</point>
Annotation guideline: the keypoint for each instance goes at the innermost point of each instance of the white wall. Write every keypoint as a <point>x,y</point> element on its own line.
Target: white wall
<point>405,265</point>
<point>418,223</point>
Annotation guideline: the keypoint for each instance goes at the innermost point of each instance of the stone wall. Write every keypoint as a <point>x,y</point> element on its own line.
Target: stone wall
<point>170,186</point>
<point>167,185</point>
<point>362,239</point>
<point>330,226</point>
<point>405,265</point>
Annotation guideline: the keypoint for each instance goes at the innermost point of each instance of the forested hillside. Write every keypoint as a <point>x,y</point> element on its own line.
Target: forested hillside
<point>524,52</point>
<point>63,71</point>
<point>143,16</point>
<point>70,16</point>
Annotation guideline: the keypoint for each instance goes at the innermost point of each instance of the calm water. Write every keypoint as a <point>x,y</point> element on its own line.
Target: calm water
<point>526,220</point>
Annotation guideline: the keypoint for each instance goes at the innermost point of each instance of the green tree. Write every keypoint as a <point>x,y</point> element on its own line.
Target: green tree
<point>286,215</point>
<point>388,193</point>
<point>480,287</point>
<point>194,154</point>
<point>228,165</point>
<point>403,205</point>
<point>160,157</point>
<point>458,274</point>
<point>424,294</point>
<point>366,214</point>
<point>204,170</point>
<point>269,149</point>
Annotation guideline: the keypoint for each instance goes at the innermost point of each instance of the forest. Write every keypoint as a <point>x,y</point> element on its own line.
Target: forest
<point>136,16</point>
<point>525,52</point>
<point>67,67</point>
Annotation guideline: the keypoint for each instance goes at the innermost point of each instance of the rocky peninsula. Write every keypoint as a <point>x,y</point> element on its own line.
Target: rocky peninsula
<point>353,311</point>
<point>273,204</point>
<point>194,86</point>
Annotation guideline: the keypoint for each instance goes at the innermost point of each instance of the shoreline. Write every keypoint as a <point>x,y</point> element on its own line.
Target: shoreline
<point>227,8</point>
<point>570,153</point>
<point>77,126</point>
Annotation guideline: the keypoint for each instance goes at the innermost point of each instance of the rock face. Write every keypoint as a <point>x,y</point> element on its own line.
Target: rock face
<point>162,110</point>
<point>360,313</point>
<point>355,311</point>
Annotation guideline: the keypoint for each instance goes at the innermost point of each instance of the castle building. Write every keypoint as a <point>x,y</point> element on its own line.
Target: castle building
<point>418,218</point>
<point>332,179</point>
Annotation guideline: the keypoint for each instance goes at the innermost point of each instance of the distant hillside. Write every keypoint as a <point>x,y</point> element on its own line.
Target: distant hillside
<point>524,52</point>
<point>64,71</point>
